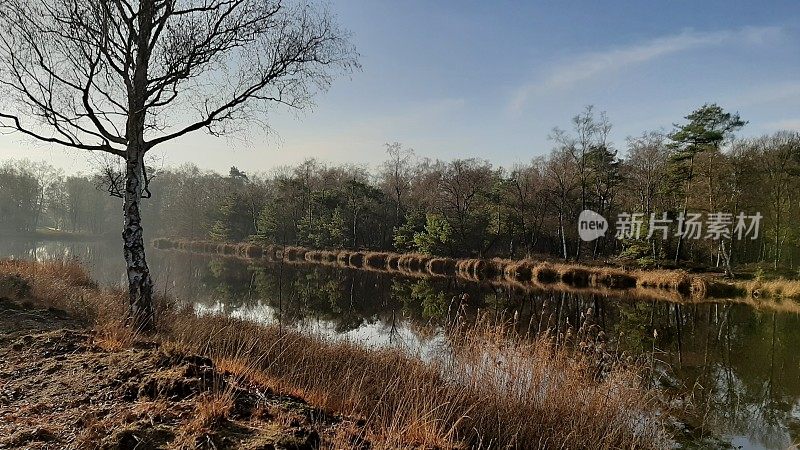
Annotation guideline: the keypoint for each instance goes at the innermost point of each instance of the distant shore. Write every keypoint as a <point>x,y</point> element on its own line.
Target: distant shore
<point>545,274</point>
<point>50,234</point>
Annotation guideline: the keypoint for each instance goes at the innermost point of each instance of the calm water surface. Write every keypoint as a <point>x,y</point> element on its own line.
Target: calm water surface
<point>739,365</point>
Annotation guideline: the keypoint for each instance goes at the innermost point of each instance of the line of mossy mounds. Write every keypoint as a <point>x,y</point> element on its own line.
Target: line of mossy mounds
<point>538,273</point>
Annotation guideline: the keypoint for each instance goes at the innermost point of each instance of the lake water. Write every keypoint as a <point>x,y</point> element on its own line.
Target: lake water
<point>738,365</point>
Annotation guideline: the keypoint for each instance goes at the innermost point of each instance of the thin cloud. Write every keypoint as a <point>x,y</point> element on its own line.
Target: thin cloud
<point>766,94</point>
<point>788,124</point>
<point>587,66</point>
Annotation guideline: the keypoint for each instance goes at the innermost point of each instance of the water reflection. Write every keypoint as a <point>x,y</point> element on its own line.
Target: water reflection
<point>735,364</point>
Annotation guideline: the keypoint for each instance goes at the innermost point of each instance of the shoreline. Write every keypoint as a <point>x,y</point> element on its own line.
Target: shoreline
<point>666,283</point>
<point>57,235</point>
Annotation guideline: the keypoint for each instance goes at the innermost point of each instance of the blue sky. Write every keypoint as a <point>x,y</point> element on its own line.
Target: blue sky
<point>491,79</point>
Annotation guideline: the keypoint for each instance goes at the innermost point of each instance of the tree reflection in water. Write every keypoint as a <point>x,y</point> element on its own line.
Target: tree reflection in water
<point>738,366</point>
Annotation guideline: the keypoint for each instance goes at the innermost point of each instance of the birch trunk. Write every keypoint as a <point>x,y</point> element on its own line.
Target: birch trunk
<point>140,284</point>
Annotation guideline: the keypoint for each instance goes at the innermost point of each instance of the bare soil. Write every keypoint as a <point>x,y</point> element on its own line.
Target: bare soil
<point>59,388</point>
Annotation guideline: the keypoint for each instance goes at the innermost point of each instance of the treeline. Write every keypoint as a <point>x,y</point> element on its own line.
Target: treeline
<point>468,207</point>
<point>34,195</point>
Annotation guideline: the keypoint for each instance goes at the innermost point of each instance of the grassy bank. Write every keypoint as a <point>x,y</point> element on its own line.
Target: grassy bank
<point>543,274</point>
<point>494,389</point>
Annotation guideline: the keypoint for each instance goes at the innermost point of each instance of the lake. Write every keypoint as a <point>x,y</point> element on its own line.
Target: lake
<point>738,365</point>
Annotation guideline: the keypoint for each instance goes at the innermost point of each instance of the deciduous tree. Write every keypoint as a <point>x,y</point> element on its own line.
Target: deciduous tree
<point>123,77</point>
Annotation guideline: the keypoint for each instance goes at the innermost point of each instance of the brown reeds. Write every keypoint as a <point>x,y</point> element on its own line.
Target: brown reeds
<point>343,258</point>
<point>356,259</point>
<point>544,273</point>
<point>676,280</point>
<point>476,269</point>
<point>441,266</point>
<point>779,288</point>
<point>393,261</point>
<point>473,269</point>
<point>496,267</point>
<point>492,387</point>
<point>313,256</point>
<point>376,260</point>
<point>412,262</point>
<point>521,270</point>
<point>330,256</point>
<point>294,253</point>
<point>612,278</point>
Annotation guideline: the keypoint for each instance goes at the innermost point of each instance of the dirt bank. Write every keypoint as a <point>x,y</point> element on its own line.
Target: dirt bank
<point>62,388</point>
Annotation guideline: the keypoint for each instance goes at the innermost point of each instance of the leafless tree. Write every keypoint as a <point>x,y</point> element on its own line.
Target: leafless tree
<point>529,199</point>
<point>590,133</point>
<point>123,76</point>
<point>562,180</point>
<point>396,174</point>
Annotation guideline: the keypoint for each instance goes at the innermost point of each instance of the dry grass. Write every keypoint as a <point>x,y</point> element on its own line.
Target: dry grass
<point>294,253</point>
<point>611,277</point>
<point>211,409</point>
<point>441,266</point>
<point>393,262</point>
<point>314,256</point>
<point>343,258</point>
<point>253,251</point>
<point>496,267</point>
<point>573,274</point>
<point>412,262</point>
<point>778,288</point>
<point>494,389</point>
<point>473,269</point>
<point>356,259</point>
<point>330,256</point>
<point>677,280</point>
<point>545,273</point>
<point>213,406</point>
<point>521,270</point>
<point>63,285</point>
<point>67,286</point>
<point>376,260</point>
<point>113,336</point>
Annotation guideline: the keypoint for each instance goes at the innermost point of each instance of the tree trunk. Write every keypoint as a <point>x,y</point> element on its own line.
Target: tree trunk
<point>685,209</point>
<point>140,284</point>
<point>563,237</point>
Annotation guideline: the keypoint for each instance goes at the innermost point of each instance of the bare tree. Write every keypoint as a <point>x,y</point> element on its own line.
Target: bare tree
<point>528,200</point>
<point>590,134</point>
<point>396,174</point>
<point>562,180</point>
<point>122,77</point>
<point>646,168</point>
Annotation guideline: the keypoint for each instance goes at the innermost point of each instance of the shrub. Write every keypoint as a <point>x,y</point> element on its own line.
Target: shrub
<point>14,286</point>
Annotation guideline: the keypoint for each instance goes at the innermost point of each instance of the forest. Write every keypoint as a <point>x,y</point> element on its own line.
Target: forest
<point>463,207</point>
